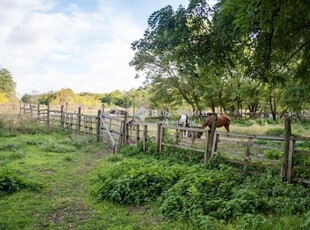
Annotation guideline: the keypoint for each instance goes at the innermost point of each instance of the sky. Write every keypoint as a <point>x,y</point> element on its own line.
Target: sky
<point>83,45</point>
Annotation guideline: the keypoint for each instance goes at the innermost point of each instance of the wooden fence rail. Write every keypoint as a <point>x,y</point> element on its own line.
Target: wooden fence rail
<point>247,150</point>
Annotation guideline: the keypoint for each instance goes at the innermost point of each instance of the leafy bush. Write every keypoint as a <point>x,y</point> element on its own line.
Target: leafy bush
<point>200,194</point>
<point>135,181</point>
<point>10,184</point>
<point>273,154</point>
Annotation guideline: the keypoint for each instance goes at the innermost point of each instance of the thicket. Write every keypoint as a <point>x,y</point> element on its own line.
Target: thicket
<point>207,197</point>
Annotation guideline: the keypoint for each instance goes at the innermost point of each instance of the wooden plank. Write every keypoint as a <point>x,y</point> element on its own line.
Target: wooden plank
<point>301,180</point>
<point>250,135</point>
<point>183,147</point>
<point>184,128</point>
<point>302,152</point>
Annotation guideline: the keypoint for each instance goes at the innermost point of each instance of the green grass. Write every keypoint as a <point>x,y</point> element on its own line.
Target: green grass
<point>59,173</point>
<point>64,200</point>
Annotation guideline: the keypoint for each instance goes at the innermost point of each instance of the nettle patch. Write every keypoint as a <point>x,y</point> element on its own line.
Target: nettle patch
<point>205,197</point>
<point>10,183</point>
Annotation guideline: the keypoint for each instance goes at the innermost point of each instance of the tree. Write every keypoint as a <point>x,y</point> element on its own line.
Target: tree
<point>276,32</point>
<point>47,98</point>
<point>7,85</point>
<point>63,96</point>
<point>3,98</point>
<point>170,52</point>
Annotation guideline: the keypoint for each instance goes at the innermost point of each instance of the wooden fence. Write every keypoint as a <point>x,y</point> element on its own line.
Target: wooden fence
<point>248,150</point>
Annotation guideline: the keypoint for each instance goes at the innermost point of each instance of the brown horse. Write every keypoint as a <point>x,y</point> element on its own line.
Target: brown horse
<point>222,120</point>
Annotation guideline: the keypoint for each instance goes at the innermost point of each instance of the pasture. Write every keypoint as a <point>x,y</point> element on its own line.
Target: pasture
<point>61,180</point>
<point>57,171</point>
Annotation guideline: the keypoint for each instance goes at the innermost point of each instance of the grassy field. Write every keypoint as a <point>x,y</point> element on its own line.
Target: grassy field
<point>58,172</point>
<point>60,169</point>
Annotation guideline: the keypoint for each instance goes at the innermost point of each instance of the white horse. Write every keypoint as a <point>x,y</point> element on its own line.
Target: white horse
<point>184,122</point>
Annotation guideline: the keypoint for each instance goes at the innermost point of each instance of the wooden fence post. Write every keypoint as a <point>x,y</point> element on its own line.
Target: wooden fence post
<point>210,137</point>
<point>79,120</point>
<point>290,162</point>
<point>206,148</point>
<point>284,167</point>
<point>38,113</point>
<point>48,122</point>
<point>31,110</point>
<point>127,133</point>
<point>121,136</point>
<point>62,116</point>
<point>137,134</point>
<point>248,152</point>
<point>98,125</point>
<point>145,138</point>
<point>125,130</point>
<point>159,136</point>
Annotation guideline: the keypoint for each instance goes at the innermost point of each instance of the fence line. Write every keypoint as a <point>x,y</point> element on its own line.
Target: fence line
<point>247,150</point>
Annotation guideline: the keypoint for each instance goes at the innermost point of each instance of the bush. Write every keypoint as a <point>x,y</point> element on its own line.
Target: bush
<point>273,154</point>
<point>136,182</point>
<point>10,183</point>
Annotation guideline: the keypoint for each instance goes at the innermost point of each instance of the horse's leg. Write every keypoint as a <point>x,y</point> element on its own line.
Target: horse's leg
<point>227,127</point>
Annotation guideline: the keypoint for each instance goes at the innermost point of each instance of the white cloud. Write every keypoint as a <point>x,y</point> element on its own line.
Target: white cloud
<point>47,49</point>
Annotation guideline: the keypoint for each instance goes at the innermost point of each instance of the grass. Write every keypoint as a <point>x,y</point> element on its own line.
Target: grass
<point>62,170</point>
<point>65,172</point>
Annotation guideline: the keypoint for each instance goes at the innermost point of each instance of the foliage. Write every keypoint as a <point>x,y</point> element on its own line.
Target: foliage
<point>204,197</point>
<point>3,98</point>
<point>238,54</point>
<point>135,182</point>
<point>10,183</point>
<point>273,154</point>
<point>7,86</point>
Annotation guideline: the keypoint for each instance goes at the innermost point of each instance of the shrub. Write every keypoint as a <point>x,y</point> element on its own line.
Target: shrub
<point>273,154</point>
<point>136,182</point>
<point>10,183</point>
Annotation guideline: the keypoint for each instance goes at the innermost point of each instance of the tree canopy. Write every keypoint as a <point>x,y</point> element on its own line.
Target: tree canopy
<point>236,54</point>
<point>7,87</point>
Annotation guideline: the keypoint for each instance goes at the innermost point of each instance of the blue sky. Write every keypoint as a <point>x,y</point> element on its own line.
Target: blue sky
<point>84,45</point>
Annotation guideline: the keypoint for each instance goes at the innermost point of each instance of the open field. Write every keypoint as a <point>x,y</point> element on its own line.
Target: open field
<point>55,177</point>
<point>60,171</point>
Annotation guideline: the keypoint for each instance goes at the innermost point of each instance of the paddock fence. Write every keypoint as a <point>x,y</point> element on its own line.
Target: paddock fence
<point>290,155</point>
